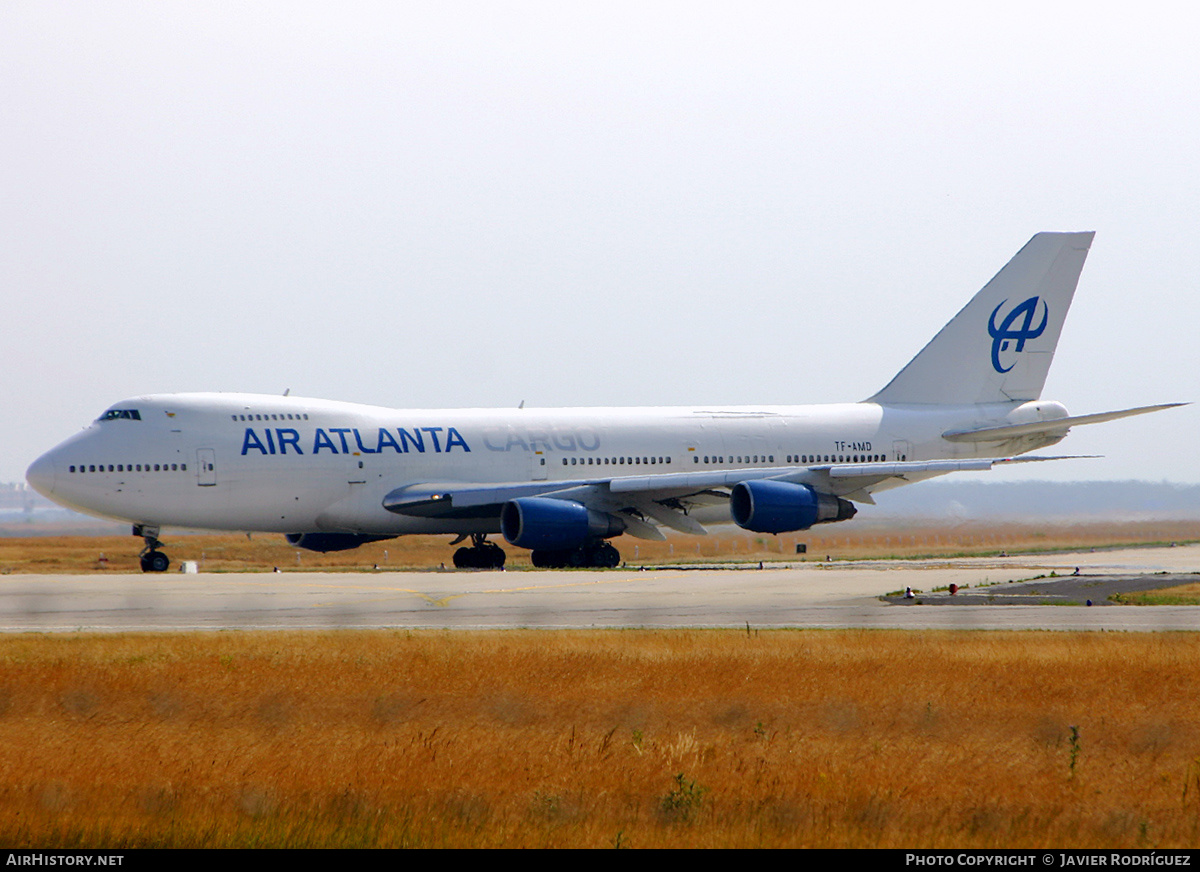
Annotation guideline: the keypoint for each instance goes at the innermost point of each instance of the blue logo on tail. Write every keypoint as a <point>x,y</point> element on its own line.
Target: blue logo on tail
<point>1005,333</point>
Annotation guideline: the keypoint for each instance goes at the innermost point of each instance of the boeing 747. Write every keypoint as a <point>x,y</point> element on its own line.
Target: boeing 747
<point>564,482</point>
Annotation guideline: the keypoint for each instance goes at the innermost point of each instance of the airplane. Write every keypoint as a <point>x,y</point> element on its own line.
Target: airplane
<point>564,482</point>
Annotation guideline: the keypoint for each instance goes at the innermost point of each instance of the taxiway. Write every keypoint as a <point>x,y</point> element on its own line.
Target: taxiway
<point>833,595</point>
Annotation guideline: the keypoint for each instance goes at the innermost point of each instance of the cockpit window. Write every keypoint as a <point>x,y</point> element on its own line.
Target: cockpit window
<point>111,414</point>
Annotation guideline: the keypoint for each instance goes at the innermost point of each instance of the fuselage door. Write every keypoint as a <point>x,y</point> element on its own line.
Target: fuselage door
<point>539,465</point>
<point>206,467</point>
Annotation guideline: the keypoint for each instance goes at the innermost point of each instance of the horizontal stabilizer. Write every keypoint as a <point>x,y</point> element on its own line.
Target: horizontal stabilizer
<point>1058,425</point>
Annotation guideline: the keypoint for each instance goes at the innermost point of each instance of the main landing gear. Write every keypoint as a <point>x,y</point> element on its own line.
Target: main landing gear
<point>481,555</point>
<point>598,554</point>
<point>152,559</point>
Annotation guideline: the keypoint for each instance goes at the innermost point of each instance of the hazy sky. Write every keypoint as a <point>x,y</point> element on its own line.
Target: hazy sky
<point>474,204</point>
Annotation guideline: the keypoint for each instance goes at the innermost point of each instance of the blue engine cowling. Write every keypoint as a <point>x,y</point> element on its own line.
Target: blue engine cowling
<point>325,542</point>
<point>554,525</point>
<point>783,507</point>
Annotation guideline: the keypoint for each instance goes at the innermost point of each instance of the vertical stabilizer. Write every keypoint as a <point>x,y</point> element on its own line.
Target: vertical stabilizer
<point>999,347</point>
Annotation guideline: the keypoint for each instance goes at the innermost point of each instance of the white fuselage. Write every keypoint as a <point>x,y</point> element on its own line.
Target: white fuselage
<point>288,465</point>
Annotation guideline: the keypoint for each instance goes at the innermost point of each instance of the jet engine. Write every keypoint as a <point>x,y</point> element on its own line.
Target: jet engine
<point>782,507</point>
<point>325,542</point>
<point>554,525</point>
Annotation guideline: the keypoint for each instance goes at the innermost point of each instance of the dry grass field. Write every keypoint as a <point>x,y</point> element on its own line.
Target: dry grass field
<point>263,552</point>
<point>597,739</point>
<point>593,739</point>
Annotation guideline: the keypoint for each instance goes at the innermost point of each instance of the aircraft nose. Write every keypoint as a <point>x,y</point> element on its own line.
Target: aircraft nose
<point>41,474</point>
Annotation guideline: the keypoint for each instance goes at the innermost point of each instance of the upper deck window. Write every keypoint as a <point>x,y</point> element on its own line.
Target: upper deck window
<point>111,414</point>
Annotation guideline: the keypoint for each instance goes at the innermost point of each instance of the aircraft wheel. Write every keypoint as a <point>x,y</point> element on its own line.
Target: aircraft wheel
<point>547,559</point>
<point>155,561</point>
<point>485,556</point>
<point>606,556</point>
<point>494,555</point>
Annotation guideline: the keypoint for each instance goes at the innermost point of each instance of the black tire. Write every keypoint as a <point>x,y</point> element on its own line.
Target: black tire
<point>464,558</point>
<point>155,561</point>
<point>606,556</point>
<point>547,559</point>
<point>494,555</point>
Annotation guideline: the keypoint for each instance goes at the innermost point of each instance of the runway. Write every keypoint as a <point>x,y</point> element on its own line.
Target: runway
<point>835,595</point>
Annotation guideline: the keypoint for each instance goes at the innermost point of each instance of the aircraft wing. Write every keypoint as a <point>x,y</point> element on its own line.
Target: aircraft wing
<point>644,501</point>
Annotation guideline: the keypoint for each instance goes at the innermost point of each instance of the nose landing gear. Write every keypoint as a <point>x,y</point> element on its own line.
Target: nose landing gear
<point>152,559</point>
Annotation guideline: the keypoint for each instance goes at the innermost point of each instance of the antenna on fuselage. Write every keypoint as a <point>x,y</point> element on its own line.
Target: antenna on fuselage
<point>521,405</point>
<point>286,391</point>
